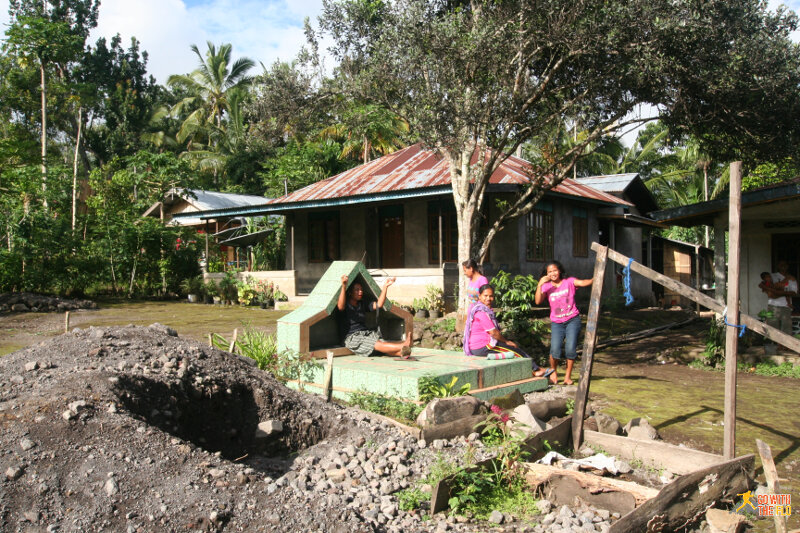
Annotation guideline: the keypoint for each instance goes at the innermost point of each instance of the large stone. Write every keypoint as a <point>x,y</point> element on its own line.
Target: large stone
<point>607,424</point>
<point>445,410</point>
<point>509,401</point>
<point>267,428</point>
<point>526,421</point>
<point>720,521</point>
<point>639,428</point>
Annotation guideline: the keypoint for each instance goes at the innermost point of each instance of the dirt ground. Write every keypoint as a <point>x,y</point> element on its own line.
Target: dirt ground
<point>630,380</point>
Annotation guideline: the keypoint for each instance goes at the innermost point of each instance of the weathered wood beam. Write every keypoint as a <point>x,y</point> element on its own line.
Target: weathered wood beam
<point>589,344</point>
<point>732,333</point>
<point>771,473</point>
<point>752,323</point>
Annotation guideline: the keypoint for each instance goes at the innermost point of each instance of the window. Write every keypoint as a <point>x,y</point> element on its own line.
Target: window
<point>449,232</point>
<point>539,232</point>
<point>580,232</point>
<point>323,237</point>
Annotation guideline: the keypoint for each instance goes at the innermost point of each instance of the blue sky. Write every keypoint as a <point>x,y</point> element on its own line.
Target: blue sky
<point>263,30</point>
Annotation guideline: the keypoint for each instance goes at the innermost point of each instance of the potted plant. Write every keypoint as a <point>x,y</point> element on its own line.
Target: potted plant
<point>265,294</point>
<point>227,288</point>
<point>192,287</point>
<point>280,296</point>
<point>435,299</point>
<point>210,291</point>
<point>246,292</point>
<point>420,308</point>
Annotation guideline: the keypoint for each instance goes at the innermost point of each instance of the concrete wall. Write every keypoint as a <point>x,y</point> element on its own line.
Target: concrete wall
<point>756,257</point>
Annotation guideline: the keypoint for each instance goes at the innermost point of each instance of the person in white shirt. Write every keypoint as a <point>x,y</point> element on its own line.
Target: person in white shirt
<point>780,293</point>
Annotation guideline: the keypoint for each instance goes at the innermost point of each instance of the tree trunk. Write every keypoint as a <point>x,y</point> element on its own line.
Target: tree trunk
<point>44,131</point>
<point>75,169</point>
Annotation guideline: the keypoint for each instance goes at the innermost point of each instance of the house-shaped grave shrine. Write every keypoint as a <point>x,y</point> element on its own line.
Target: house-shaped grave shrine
<point>313,328</point>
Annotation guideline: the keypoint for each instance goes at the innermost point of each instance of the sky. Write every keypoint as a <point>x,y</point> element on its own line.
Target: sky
<point>263,30</point>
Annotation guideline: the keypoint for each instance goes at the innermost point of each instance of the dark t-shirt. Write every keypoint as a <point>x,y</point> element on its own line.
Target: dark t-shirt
<point>354,318</point>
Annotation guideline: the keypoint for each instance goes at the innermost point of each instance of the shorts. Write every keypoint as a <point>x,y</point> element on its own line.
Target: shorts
<point>362,342</point>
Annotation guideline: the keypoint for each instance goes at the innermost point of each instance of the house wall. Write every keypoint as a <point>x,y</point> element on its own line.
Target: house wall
<point>756,257</point>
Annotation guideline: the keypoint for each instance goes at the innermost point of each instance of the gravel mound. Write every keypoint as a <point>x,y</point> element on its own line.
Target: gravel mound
<point>136,429</point>
<point>23,302</point>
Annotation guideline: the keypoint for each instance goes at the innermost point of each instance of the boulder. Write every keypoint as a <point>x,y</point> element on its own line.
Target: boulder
<point>720,521</point>
<point>445,410</point>
<point>607,424</point>
<point>267,428</point>
<point>509,401</point>
<point>526,421</point>
<point>639,428</point>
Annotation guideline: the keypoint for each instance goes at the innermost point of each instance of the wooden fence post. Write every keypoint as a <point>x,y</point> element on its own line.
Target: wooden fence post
<point>233,340</point>
<point>732,333</point>
<point>589,344</point>
<point>66,322</point>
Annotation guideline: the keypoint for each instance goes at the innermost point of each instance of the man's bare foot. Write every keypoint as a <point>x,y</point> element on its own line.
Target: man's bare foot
<point>405,352</point>
<point>568,381</point>
<point>554,379</point>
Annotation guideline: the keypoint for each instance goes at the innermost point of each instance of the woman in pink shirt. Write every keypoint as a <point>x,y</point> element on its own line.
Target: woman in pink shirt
<point>483,338</point>
<point>565,319</point>
<point>476,280</point>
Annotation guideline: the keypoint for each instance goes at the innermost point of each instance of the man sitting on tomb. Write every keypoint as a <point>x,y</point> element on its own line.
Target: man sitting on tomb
<point>357,337</point>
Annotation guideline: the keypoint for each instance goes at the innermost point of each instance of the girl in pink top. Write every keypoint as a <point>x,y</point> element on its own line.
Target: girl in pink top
<point>565,319</point>
<point>476,280</point>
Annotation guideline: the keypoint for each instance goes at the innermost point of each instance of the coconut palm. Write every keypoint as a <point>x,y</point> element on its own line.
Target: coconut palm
<point>366,130</point>
<point>209,87</point>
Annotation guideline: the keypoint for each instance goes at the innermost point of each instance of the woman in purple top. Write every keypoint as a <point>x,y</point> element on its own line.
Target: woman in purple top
<point>476,280</point>
<point>565,319</point>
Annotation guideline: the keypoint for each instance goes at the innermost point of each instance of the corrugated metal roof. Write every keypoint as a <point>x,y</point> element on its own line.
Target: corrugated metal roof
<point>609,182</point>
<point>415,168</point>
<point>207,200</point>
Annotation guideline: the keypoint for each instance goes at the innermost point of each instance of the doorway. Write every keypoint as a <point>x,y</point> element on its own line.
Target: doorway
<point>392,237</point>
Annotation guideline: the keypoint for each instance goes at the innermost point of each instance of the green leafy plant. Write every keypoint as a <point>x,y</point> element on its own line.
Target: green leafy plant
<point>192,285</point>
<point>434,296</point>
<point>228,289</point>
<point>714,351</point>
<point>280,296</point>
<point>411,498</point>
<point>383,404</point>
<point>246,291</point>
<point>570,405</point>
<point>420,304</point>
<point>447,324</point>
<point>430,387</point>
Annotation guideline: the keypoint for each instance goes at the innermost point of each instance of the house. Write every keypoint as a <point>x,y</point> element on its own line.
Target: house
<point>691,264</point>
<point>628,230</point>
<point>396,215</point>
<point>770,232</point>
<point>180,207</point>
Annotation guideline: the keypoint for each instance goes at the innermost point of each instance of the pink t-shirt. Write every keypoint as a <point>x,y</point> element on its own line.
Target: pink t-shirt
<point>479,332</point>
<point>562,300</point>
<point>472,289</point>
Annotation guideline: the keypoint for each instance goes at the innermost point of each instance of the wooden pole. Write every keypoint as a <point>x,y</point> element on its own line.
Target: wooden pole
<point>589,343</point>
<point>752,324</point>
<point>327,382</point>
<point>233,340</point>
<point>210,341</point>
<point>731,334</point>
<point>441,238</point>
<point>771,473</point>
<point>66,322</point>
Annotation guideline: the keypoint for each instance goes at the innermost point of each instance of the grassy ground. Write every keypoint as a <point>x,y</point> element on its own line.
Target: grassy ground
<point>195,321</point>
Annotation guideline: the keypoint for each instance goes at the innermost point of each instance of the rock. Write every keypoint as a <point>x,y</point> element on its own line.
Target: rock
<point>13,472</point>
<point>337,475</point>
<point>26,444</point>
<point>525,421</point>
<point>720,521</point>
<point>549,519</point>
<point>30,366</point>
<point>565,512</point>
<point>607,424</point>
<point>111,487</point>
<point>267,428</point>
<point>496,517</point>
<point>623,467</point>
<point>509,401</point>
<point>68,415</point>
<point>639,428</point>
<point>166,330</point>
<point>216,473</point>
<point>17,379</point>
<point>77,406</point>
<point>444,410</point>
<point>544,506</point>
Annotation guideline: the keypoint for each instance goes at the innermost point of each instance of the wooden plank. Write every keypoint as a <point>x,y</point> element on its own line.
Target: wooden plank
<point>589,344</point>
<point>771,473</point>
<point>753,324</point>
<point>327,381</point>
<point>66,322</point>
<point>561,487</point>
<point>732,333</point>
<point>652,453</point>
<point>233,340</point>
<point>687,498</point>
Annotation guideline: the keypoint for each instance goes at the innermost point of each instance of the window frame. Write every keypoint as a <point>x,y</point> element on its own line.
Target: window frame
<point>540,225</point>
<point>324,243</point>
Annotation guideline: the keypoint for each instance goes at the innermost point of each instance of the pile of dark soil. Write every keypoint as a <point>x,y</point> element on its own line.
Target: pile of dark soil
<point>23,302</point>
<point>135,429</point>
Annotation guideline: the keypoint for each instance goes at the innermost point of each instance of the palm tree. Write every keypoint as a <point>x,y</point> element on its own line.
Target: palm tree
<point>209,87</point>
<point>366,130</point>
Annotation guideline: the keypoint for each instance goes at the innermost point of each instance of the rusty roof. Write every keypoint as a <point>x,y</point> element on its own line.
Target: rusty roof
<point>416,168</point>
<point>408,173</point>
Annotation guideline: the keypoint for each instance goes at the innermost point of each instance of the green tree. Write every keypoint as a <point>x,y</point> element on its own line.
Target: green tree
<point>367,130</point>
<point>485,77</point>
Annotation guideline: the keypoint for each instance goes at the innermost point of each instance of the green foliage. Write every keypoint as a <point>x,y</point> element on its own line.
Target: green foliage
<point>714,352</point>
<point>411,498</point>
<point>515,499</point>
<point>570,406</point>
<point>192,285</point>
<point>448,324</point>
<point>434,297</point>
<point>383,404</point>
<point>515,295</point>
<point>765,368</point>
<point>430,388</point>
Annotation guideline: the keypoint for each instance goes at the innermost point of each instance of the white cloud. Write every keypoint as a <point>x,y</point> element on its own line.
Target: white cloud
<point>263,30</point>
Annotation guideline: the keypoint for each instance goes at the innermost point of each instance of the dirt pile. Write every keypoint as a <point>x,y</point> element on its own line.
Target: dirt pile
<point>136,429</point>
<point>23,302</point>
